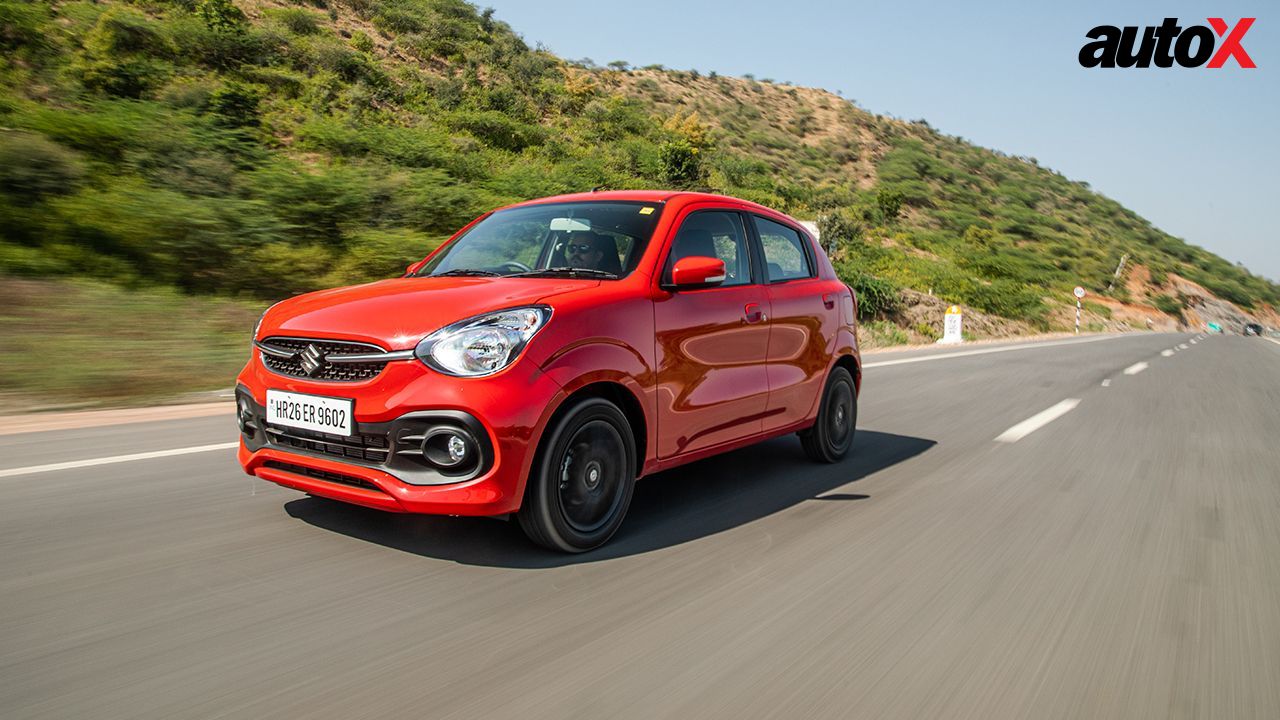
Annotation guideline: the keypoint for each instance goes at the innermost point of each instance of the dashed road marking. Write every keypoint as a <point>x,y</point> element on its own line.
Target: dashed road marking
<point>1166,353</point>
<point>1037,421</point>
<point>1106,383</point>
<point>1183,346</point>
<point>32,469</point>
<point>1006,348</point>
<point>1135,368</point>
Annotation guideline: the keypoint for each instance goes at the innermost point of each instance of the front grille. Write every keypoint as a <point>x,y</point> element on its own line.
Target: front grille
<point>325,475</point>
<point>363,446</point>
<point>333,372</point>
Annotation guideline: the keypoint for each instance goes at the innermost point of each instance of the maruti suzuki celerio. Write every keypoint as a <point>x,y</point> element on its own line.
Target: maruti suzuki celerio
<point>551,353</point>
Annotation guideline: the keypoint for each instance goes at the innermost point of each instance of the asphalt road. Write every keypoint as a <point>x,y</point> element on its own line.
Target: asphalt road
<point>1120,561</point>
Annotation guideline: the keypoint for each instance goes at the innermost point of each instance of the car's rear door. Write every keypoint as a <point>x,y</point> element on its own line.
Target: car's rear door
<point>805,312</point>
<point>711,344</point>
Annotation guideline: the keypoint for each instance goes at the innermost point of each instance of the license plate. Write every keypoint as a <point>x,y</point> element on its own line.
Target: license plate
<point>310,412</point>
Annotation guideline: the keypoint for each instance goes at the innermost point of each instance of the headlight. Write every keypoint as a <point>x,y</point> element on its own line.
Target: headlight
<point>258,325</point>
<point>482,345</point>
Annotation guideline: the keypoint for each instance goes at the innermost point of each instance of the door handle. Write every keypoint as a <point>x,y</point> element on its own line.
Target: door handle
<point>754,314</point>
<point>829,301</point>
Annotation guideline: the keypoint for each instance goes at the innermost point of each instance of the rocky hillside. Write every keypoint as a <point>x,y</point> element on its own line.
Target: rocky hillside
<point>261,148</point>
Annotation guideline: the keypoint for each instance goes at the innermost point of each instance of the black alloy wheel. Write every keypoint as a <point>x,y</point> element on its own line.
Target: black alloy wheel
<point>831,436</point>
<point>582,481</point>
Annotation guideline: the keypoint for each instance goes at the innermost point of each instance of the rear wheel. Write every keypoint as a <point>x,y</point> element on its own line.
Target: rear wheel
<point>832,434</point>
<point>581,484</point>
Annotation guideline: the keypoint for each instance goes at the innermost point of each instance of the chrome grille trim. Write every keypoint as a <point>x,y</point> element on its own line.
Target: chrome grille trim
<point>328,361</point>
<point>384,356</point>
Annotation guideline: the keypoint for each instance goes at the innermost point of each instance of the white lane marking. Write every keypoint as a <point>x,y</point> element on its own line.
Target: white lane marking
<point>32,469</point>
<point>1183,346</point>
<point>1007,348</point>
<point>1106,383</point>
<point>1193,341</point>
<point>1037,421</point>
<point>1272,340</point>
<point>1166,353</point>
<point>1135,368</point>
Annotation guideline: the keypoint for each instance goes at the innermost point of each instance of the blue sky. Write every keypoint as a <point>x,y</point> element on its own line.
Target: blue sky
<point>1195,151</point>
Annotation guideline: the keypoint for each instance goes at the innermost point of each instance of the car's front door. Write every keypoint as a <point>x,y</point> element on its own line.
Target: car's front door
<point>711,344</point>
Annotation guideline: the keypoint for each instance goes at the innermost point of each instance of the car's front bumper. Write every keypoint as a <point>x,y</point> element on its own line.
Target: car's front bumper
<point>505,412</point>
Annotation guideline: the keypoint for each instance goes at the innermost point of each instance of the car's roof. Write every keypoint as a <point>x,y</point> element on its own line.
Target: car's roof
<point>646,196</point>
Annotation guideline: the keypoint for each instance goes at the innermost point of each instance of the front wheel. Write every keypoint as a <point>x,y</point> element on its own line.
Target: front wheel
<point>580,487</point>
<point>832,434</point>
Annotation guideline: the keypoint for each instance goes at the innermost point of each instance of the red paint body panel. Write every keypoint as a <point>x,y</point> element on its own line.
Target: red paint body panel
<point>707,370</point>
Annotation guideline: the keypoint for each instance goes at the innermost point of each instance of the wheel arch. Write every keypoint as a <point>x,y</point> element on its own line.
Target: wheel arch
<point>850,363</point>
<point>618,394</point>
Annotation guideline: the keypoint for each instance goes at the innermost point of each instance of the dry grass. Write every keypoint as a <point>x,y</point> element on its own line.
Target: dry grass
<point>82,342</point>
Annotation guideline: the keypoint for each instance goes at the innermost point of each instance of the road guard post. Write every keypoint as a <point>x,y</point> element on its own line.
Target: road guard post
<point>952,326</point>
<point>1079,293</point>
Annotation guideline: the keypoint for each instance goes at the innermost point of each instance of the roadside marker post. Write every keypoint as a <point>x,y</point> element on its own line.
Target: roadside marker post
<point>952,327</point>
<point>1079,293</point>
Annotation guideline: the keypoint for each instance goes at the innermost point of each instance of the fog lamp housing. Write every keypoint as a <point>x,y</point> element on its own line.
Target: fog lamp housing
<point>450,448</point>
<point>244,416</point>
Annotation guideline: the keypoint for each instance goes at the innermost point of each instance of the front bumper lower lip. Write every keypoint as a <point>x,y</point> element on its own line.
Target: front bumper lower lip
<point>480,496</point>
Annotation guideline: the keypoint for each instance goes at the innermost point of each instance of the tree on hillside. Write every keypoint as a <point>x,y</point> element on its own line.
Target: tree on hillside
<point>890,204</point>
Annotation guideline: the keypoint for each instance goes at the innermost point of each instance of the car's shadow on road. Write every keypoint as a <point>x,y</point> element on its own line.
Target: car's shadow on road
<point>670,508</point>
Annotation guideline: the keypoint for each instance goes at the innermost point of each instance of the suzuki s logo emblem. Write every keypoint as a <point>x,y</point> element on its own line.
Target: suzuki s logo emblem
<point>312,359</point>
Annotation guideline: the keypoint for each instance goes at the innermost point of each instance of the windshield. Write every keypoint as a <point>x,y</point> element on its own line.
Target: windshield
<point>588,239</point>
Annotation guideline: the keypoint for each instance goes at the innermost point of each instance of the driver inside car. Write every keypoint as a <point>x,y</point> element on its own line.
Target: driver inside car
<point>593,251</point>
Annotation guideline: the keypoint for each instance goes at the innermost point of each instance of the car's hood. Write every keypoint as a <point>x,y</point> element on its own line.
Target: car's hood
<point>397,313</point>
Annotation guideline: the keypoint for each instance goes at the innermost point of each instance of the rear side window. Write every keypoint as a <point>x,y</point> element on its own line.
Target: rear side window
<point>784,254</point>
<point>714,234</point>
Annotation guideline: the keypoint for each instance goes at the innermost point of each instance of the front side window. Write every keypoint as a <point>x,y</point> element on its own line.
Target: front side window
<point>714,234</point>
<point>601,239</point>
<point>784,254</point>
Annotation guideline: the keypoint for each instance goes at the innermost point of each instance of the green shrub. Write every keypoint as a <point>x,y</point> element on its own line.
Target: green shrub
<point>883,333</point>
<point>498,130</point>
<point>361,41</point>
<point>24,28</point>
<point>1008,298</point>
<point>1097,309</point>
<point>31,166</point>
<point>877,297</point>
<point>927,330</point>
<point>374,254</point>
<point>221,15</point>
<point>236,105</point>
<point>681,163</point>
<point>298,21</point>
<point>1167,304</point>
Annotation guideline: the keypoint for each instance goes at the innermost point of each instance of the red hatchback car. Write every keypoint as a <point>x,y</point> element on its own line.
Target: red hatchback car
<point>551,353</point>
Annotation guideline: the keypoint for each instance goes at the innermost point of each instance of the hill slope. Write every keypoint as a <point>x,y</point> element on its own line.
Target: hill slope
<point>263,148</point>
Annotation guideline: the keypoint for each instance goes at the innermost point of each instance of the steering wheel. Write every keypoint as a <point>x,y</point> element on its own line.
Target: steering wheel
<point>519,266</point>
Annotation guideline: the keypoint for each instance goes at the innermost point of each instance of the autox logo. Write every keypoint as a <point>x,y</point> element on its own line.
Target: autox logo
<point>1165,44</point>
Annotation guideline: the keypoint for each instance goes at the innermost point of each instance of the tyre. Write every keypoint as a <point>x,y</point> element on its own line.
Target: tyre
<point>581,483</point>
<point>831,436</point>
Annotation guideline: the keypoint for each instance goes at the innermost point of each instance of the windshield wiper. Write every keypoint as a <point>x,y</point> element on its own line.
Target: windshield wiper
<point>463,272</point>
<point>568,272</point>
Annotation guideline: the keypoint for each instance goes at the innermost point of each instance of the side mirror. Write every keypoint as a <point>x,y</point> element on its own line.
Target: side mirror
<point>697,271</point>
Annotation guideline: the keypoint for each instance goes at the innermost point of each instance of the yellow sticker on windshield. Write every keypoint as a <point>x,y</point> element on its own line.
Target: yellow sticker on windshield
<point>646,211</point>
